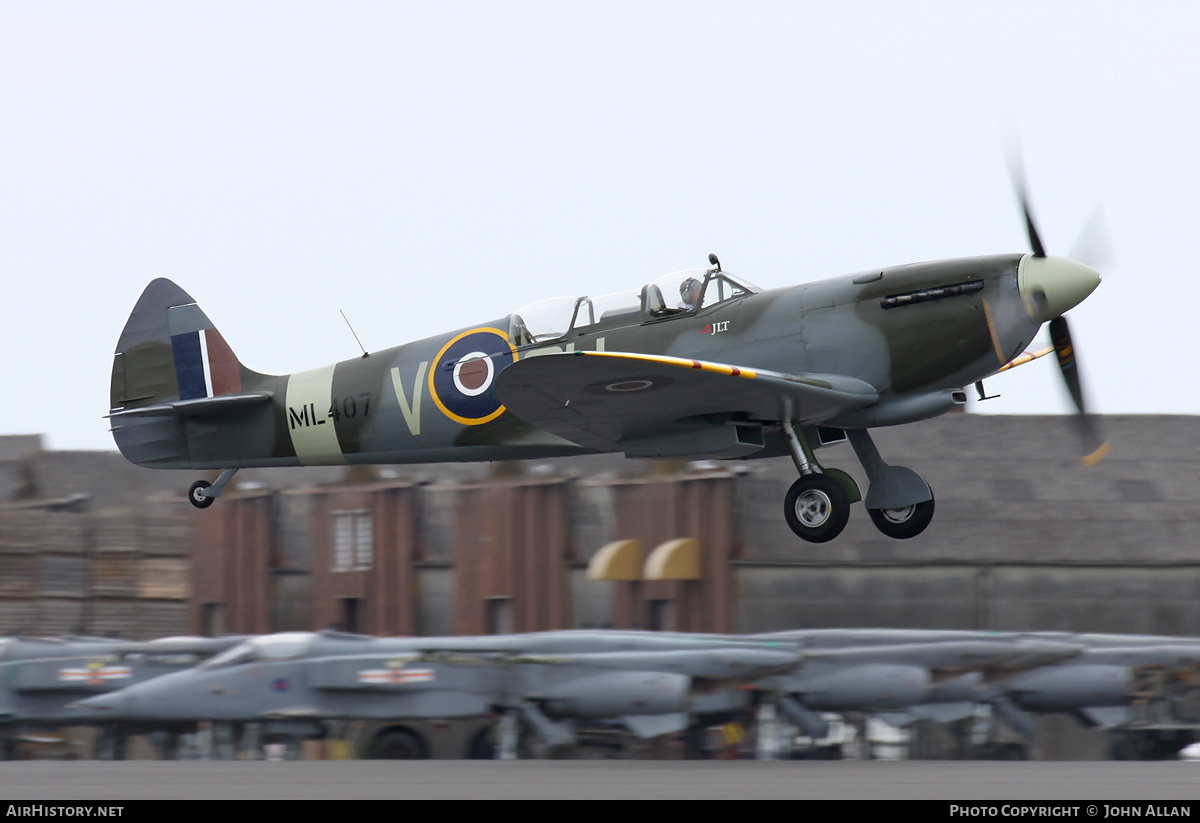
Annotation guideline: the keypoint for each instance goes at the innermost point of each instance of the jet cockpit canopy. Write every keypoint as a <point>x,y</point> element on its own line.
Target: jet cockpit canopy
<point>266,648</point>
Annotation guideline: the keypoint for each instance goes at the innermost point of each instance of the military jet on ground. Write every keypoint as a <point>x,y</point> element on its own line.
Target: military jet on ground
<point>644,680</point>
<point>1098,684</point>
<point>727,370</point>
<point>890,677</point>
<point>652,683</point>
<point>40,677</point>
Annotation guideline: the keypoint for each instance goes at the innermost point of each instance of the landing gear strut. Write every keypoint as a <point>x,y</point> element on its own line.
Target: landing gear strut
<point>899,501</point>
<point>817,506</point>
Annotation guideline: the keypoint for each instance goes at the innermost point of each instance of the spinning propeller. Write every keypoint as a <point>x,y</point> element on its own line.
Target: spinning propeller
<point>1053,285</point>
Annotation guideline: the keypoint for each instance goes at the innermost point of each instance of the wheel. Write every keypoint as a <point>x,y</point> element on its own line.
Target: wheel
<point>903,523</point>
<point>196,498</point>
<point>816,508</point>
<point>1014,751</point>
<point>482,746</point>
<point>1122,748</point>
<point>398,744</point>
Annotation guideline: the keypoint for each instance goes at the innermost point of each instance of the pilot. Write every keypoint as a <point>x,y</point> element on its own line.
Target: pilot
<point>689,293</point>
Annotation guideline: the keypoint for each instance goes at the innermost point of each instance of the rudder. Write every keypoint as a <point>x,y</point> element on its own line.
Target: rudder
<point>169,351</point>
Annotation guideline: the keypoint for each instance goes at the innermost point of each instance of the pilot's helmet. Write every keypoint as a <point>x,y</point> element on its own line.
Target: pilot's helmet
<point>689,290</point>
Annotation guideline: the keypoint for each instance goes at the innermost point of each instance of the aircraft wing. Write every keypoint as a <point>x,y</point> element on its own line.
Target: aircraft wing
<point>658,406</point>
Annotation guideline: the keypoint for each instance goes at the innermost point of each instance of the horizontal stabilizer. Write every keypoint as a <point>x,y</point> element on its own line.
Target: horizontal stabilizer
<point>201,407</point>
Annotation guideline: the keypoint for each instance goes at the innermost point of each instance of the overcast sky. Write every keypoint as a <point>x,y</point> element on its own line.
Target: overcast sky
<point>427,166</point>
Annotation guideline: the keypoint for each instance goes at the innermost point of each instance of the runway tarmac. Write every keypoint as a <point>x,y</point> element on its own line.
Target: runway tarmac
<point>610,779</point>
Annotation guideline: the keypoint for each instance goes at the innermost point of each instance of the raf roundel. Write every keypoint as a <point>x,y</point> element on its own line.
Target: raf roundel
<point>461,380</point>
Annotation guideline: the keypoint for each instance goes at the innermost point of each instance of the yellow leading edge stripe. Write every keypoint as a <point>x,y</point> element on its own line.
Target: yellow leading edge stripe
<point>680,362</point>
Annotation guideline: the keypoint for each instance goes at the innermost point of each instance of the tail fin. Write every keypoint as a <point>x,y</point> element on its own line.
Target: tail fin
<point>171,363</point>
<point>170,351</point>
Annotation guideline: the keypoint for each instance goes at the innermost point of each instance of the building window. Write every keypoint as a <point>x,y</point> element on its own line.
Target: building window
<point>352,538</point>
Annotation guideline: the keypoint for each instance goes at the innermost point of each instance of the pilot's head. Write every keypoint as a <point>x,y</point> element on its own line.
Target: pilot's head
<point>689,292</point>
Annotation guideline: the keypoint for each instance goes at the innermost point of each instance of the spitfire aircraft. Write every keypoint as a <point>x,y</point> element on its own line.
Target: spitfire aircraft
<point>694,365</point>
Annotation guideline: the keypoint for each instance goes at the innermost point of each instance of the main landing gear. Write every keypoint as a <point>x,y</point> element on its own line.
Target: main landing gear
<point>817,506</point>
<point>203,494</point>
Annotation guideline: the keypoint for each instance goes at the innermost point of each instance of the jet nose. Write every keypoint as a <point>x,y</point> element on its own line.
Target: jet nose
<point>1051,286</point>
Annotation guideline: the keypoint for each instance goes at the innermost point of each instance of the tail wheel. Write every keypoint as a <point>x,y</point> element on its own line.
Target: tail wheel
<point>816,508</point>
<point>197,499</point>
<point>903,523</point>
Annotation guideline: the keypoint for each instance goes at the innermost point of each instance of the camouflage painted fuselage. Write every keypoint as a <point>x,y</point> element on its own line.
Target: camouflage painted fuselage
<point>180,399</point>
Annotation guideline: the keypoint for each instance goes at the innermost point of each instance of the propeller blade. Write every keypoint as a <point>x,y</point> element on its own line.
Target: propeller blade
<point>1064,350</point>
<point>1035,242</point>
<point>1017,168</point>
<point>1060,337</point>
<point>1074,285</point>
<point>1093,246</point>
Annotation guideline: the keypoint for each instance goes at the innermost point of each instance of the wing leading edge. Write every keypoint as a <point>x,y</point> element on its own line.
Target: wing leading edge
<point>659,406</point>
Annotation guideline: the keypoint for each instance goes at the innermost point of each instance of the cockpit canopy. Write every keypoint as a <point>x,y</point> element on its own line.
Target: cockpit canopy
<point>270,647</point>
<point>676,294</point>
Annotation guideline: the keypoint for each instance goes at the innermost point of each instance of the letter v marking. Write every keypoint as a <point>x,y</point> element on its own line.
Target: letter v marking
<point>412,413</point>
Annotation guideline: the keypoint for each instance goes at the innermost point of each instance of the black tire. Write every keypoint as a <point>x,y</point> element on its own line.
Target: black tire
<point>198,500</point>
<point>1121,748</point>
<point>398,744</point>
<point>1016,751</point>
<point>482,746</point>
<point>816,508</point>
<point>903,523</point>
